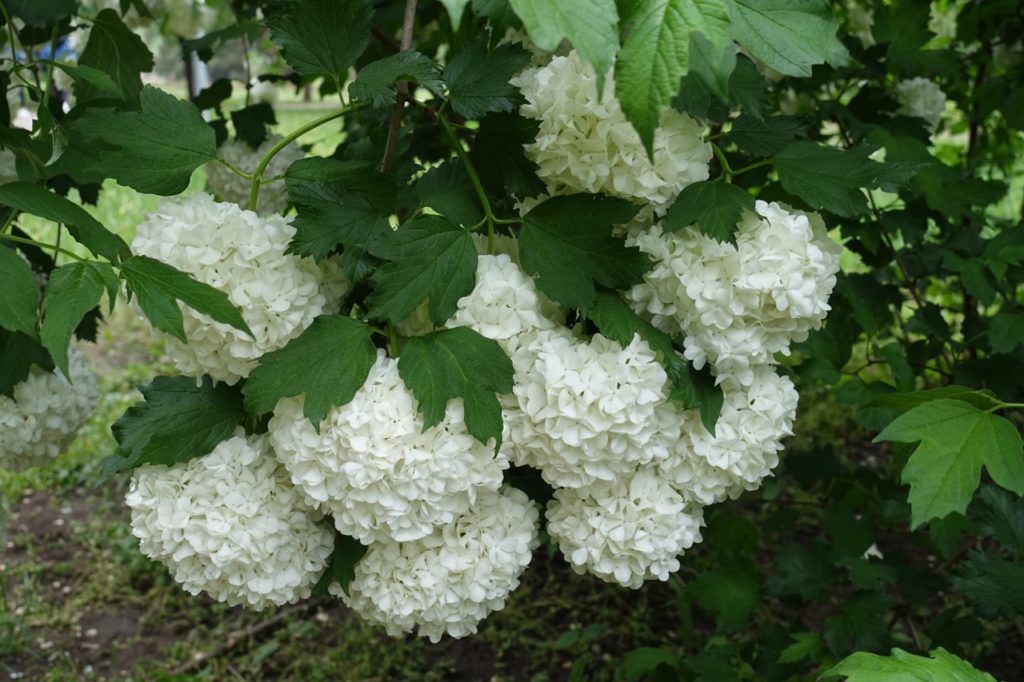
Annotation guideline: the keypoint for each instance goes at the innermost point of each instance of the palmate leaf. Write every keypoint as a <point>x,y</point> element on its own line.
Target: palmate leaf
<point>478,79</point>
<point>115,50</point>
<point>375,81</point>
<point>655,54</point>
<point>956,440</point>
<point>731,593</point>
<point>502,136</point>
<point>448,190</point>
<point>715,207</point>
<point>765,136</point>
<point>323,37</point>
<point>458,363</point>
<point>994,584</point>
<point>577,230</point>
<point>71,292</point>
<point>18,294</point>
<point>159,287</point>
<point>328,362</point>
<point>900,665</point>
<point>18,352</point>
<point>430,258</point>
<point>176,421</point>
<point>790,36</point>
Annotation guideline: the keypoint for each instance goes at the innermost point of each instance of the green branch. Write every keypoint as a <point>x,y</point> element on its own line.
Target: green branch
<point>43,245</point>
<point>478,186</point>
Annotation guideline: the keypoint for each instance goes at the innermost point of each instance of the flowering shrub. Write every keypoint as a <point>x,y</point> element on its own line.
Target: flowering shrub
<point>578,248</point>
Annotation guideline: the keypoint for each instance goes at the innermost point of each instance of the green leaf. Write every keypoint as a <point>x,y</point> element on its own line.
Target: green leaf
<point>18,295</point>
<point>646,660</point>
<point>716,208</point>
<point>1001,516</point>
<point>834,179</point>
<point>693,389</point>
<point>375,81</point>
<point>577,229</point>
<point>730,593</point>
<point>861,624</point>
<point>765,136</point>
<point>41,12</point>
<point>88,231</point>
<point>994,584</point>
<point>175,422</point>
<point>712,64</point>
<point>956,440</point>
<point>448,190</point>
<point>901,666</point>
<point>592,26</point>
<point>323,37</point>
<point>655,54</point>
<point>458,363</point>
<point>159,287</point>
<point>341,568</point>
<point>455,9</point>
<point>982,399</point>
<point>90,77</point>
<point>18,353</point>
<point>71,292</point>
<point>802,571</point>
<point>502,136</point>
<point>478,80</point>
<point>789,36</point>
<point>430,259</point>
<point>114,49</point>
<point>252,123</point>
<point>805,645</point>
<point>328,363</point>
<point>153,150</point>
<point>1006,332</point>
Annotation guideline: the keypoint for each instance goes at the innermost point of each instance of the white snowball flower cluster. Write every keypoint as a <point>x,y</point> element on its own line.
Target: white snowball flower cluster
<point>450,580</point>
<point>921,98</point>
<point>860,22</point>
<point>585,143</point>
<point>230,524</point>
<point>626,530</point>
<point>230,186</point>
<point>738,305</point>
<point>46,411</point>
<point>243,255</point>
<point>374,467</point>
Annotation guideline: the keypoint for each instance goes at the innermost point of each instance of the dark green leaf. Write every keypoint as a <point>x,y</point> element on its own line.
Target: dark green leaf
<point>655,54</point>
<point>592,26</point>
<point>41,12</point>
<point>430,259</point>
<point>646,660</point>
<point>712,64</point>
<point>458,363</point>
<point>834,179</point>
<point>212,96</point>
<point>175,422</point>
<point>341,568</point>
<point>716,208</point>
<point>87,76</point>
<point>1001,516</point>
<point>154,150</point>
<point>956,440</point>
<point>862,623</point>
<point>323,37</point>
<point>502,136</point>
<point>18,294</point>
<point>71,292</point>
<point>88,231</point>
<point>251,123</point>
<point>790,36</point>
<point>478,80</point>
<point>114,49</point>
<point>18,353</point>
<point>765,136</point>
<point>448,190</point>
<point>375,81</point>
<point>159,287</point>
<point>730,593</point>
<point>995,585</point>
<point>577,229</point>
<point>803,571</point>
<point>328,363</point>
<point>1006,332</point>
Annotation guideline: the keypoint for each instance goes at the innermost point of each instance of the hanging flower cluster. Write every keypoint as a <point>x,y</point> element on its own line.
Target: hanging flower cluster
<point>45,412</point>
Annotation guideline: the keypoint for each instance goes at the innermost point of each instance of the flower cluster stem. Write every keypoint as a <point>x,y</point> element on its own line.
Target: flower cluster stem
<point>478,187</point>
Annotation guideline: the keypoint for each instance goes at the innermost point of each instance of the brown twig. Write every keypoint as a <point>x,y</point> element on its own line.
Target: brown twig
<point>385,40</point>
<point>402,91</point>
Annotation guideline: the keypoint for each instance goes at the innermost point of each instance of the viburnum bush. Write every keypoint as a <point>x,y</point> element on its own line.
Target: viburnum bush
<point>553,286</point>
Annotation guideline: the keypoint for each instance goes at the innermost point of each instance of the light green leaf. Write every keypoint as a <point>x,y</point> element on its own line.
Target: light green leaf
<point>88,231</point>
<point>175,422</point>
<point>455,9</point>
<point>72,291</point>
<point>159,287</point>
<point>592,26</point>
<point>100,81</point>
<point>154,150</point>
<point>577,229</point>
<point>375,81</point>
<point>115,50</point>
<point>328,363</point>
<point>323,37</point>
<point>789,36</point>
<point>956,440</point>
<point>478,79</point>
<point>901,666</point>
<point>715,207</point>
<point>430,259</point>
<point>458,363</point>
<point>18,294</point>
<point>655,54</point>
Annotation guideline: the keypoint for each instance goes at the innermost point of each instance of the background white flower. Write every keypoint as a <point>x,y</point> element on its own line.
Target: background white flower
<point>230,524</point>
<point>230,186</point>
<point>243,255</point>
<point>45,413</point>
<point>450,580</point>
<point>921,98</point>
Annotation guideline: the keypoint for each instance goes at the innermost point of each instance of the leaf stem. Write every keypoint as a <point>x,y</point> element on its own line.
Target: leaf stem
<point>238,171</point>
<point>757,164</point>
<point>43,245</point>
<point>257,176</point>
<point>474,178</point>
<point>10,221</point>
<point>392,341</point>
